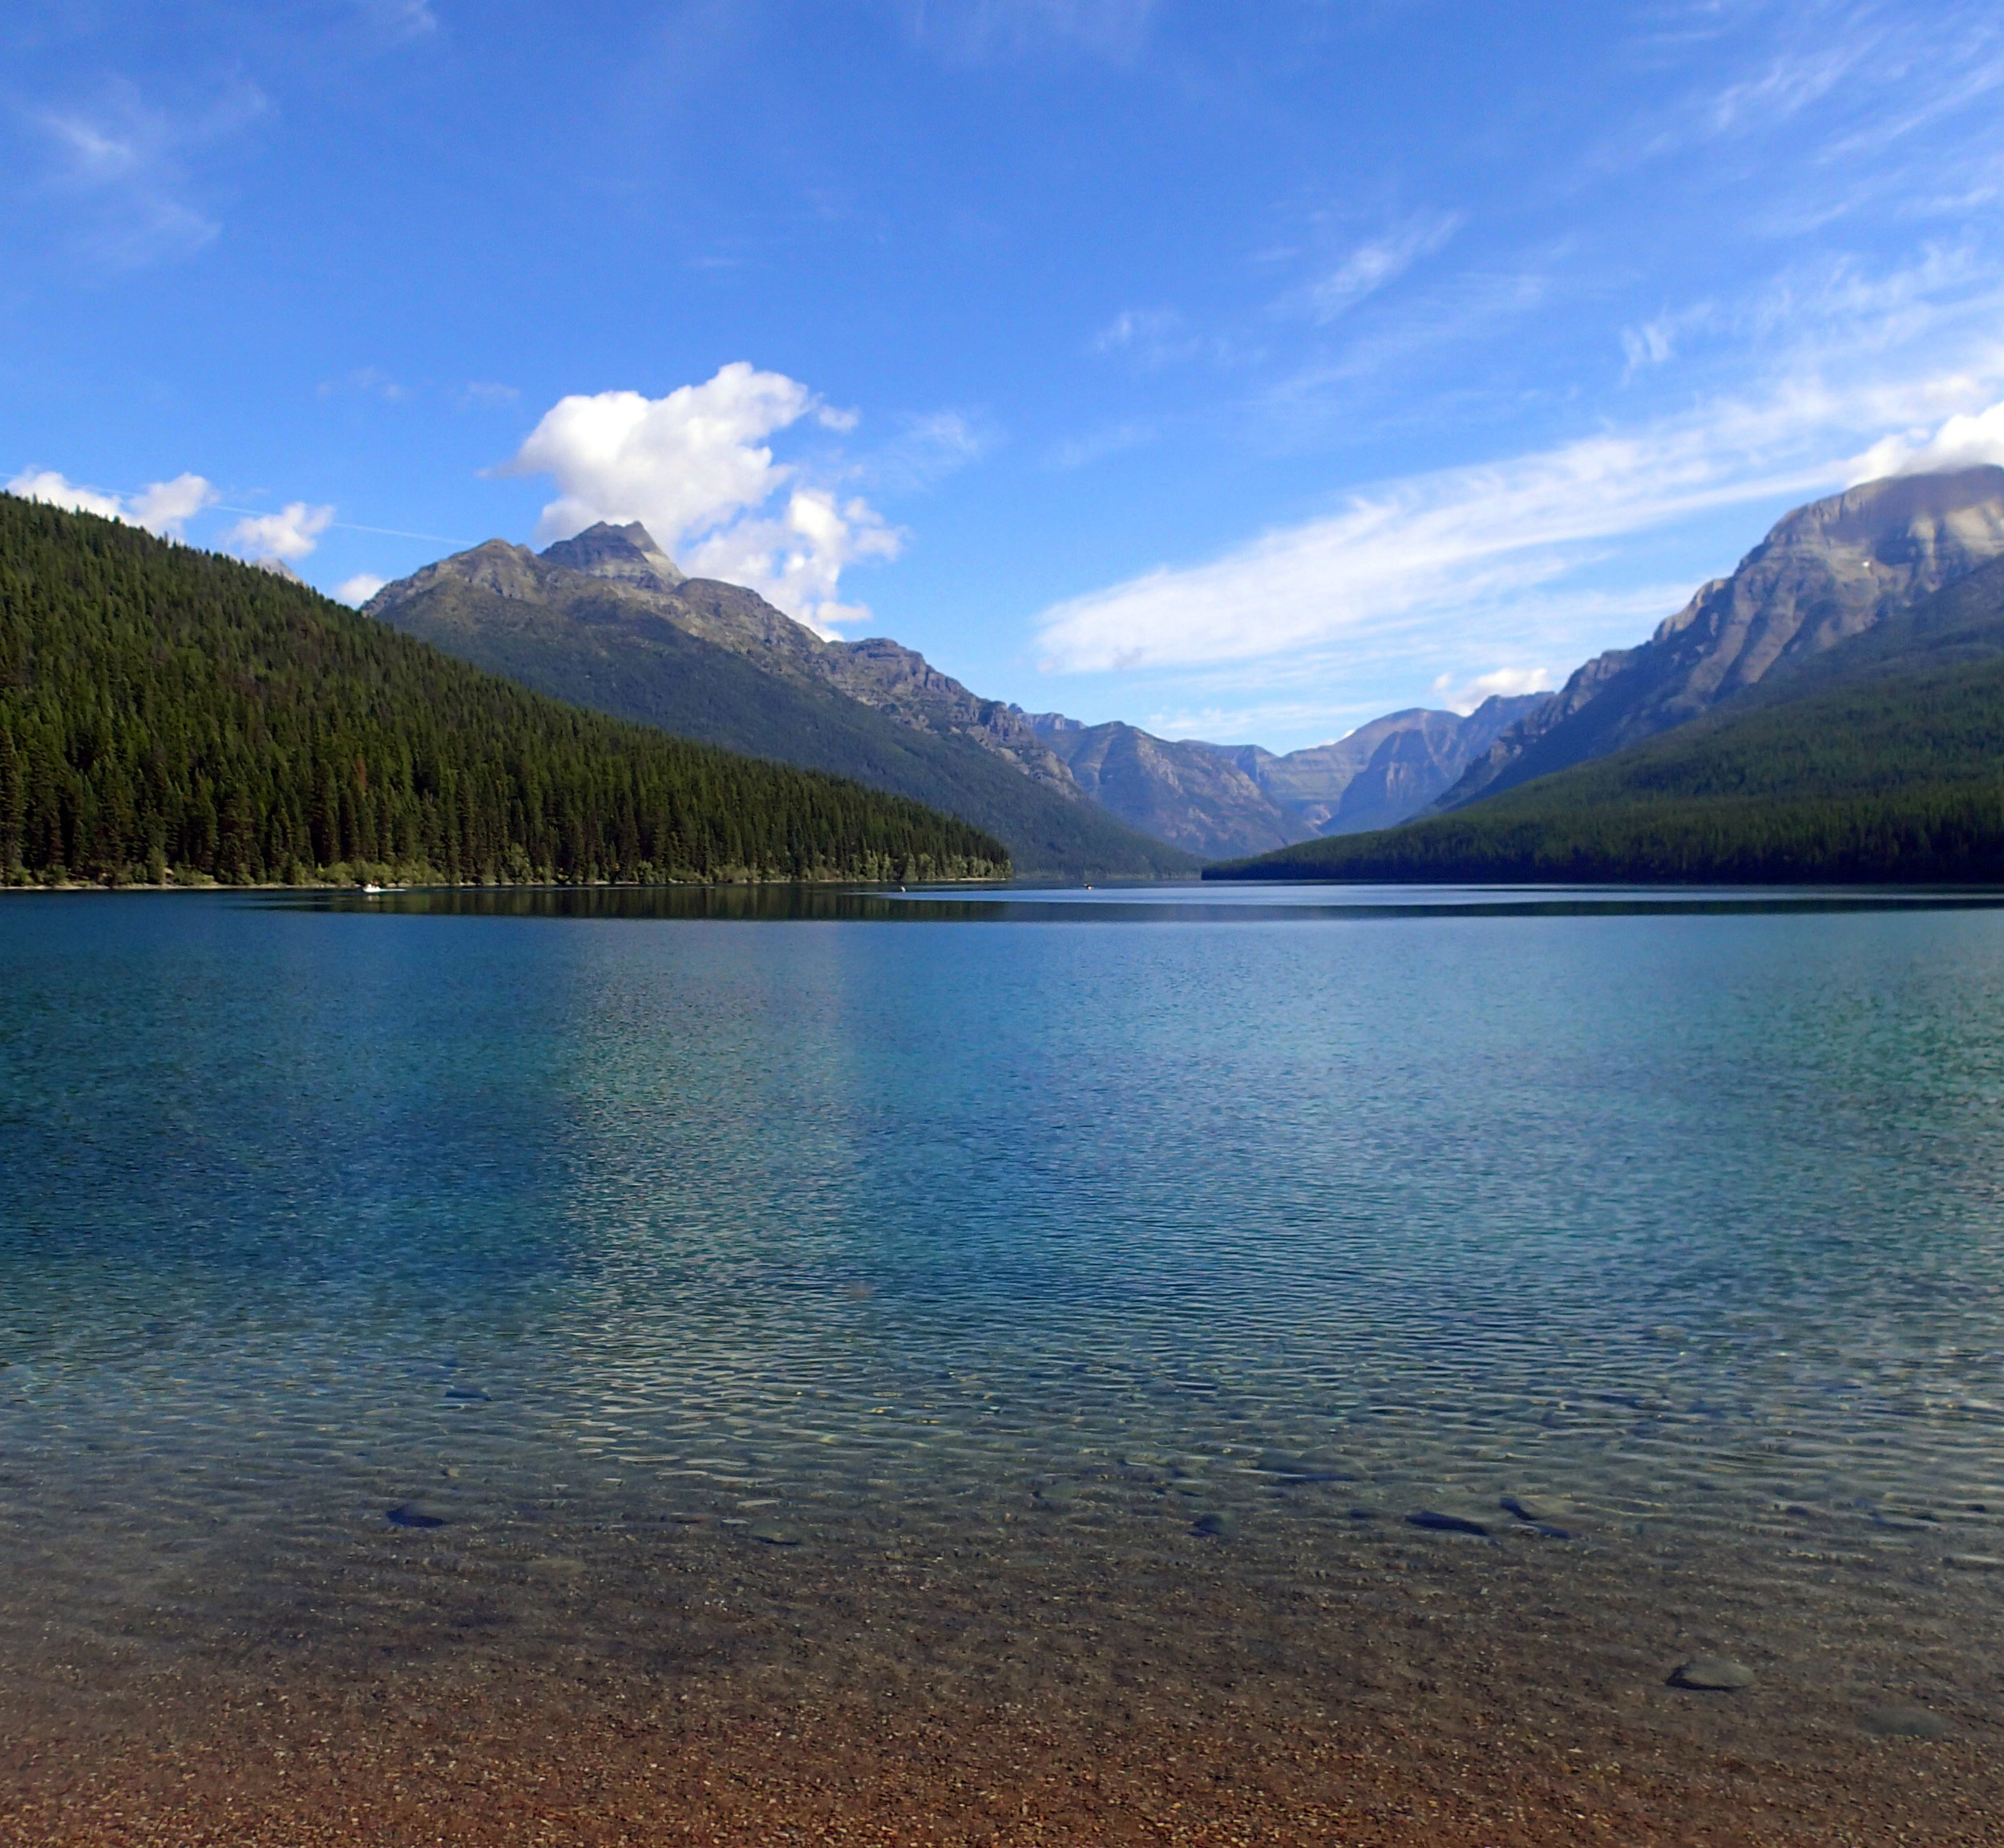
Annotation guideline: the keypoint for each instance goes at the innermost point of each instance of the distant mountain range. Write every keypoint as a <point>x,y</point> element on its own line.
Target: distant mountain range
<point>1217,800</point>
<point>607,620</point>
<point>1833,710</point>
<point>1827,572</point>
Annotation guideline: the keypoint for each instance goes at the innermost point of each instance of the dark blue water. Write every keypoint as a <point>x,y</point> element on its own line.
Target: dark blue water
<point>538,1217</point>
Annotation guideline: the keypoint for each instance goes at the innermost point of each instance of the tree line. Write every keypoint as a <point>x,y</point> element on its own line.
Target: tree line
<point>1893,777</point>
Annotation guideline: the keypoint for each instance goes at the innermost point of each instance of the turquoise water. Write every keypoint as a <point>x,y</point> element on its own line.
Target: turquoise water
<point>513,1221</point>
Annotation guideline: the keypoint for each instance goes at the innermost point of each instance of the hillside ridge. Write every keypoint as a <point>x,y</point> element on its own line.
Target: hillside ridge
<point>1825,572</point>
<point>170,714</point>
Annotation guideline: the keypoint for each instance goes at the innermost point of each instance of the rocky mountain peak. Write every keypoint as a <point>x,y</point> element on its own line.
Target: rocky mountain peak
<point>506,570</point>
<point>1951,521</point>
<point>1826,572</point>
<point>626,554</point>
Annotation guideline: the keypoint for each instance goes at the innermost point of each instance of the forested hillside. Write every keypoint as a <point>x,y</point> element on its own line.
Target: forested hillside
<point>1895,772</point>
<point>169,713</point>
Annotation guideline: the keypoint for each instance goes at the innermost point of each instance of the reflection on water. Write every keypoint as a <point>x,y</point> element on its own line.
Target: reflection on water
<point>1632,1239</point>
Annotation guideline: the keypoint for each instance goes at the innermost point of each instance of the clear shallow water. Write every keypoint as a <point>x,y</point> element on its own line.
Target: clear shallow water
<point>832,1223</point>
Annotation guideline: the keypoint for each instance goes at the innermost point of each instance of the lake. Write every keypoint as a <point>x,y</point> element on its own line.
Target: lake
<point>1203,1364</point>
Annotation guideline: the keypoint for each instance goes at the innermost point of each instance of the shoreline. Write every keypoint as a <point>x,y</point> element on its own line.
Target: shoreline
<point>708,1692</point>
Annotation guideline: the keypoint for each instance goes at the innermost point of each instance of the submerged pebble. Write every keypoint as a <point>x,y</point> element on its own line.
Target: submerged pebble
<point>1540,1511</point>
<point>1905,1723</point>
<point>1314,1467</point>
<point>1713,1674</point>
<point>1438,1522</point>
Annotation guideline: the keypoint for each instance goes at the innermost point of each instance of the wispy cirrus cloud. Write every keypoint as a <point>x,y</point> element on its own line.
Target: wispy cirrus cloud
<point>124,169</point>
<point>975,31</point>
<point>1149,336</point>
<point>398,20</point>
<point>923,449</point>
<point>1398,561</point>
<point>1370,266</point>
<point>1096,444</point>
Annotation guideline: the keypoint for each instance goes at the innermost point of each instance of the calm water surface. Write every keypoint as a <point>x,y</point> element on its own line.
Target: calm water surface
<point>826,1223</point>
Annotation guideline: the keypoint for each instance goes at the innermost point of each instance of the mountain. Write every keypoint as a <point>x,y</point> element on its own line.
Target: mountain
<point>1880,757</point>
<point>1827,572</point>
<point>607,620</point>
<point>1225,799</point>
<point>166,712</point>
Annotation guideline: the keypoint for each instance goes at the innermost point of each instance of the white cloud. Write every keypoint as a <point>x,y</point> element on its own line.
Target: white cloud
<point>1371,265</point>
<point>166,507</point>
<point>796,559</point>
<point>161,507</point>
<point>1964,441</point>
<point>1508,682</point>
<point>1456,546</point>
<point>56,490</point>
<point>290,534</point>
<point>695,469</point>
<point>358,589</point>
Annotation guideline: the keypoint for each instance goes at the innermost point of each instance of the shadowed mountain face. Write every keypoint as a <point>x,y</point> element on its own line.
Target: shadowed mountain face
<point>607,621</point>
<point>1222,800</point>
<point>1828,572</point>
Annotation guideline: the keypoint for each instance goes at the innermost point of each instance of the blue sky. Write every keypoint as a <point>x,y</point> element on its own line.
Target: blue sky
<point>1243,371</point>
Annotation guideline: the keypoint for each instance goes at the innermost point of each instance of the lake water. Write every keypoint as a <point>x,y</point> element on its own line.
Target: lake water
<point>880,1305</point>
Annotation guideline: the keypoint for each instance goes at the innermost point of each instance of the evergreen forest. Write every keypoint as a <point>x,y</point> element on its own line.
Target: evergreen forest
<point>168,715</point>
<point>1891,776</point>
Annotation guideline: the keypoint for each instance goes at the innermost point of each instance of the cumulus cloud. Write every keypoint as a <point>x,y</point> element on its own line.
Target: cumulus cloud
<point>1406,559</point>
<point>161,507</point>
<point>57,489</point>
<point>1964,441</point>
<point>1508,683</point>
<point>290,534</point>
<point>358,589</point>
<point>166,507</point>
<point>695,468</point>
